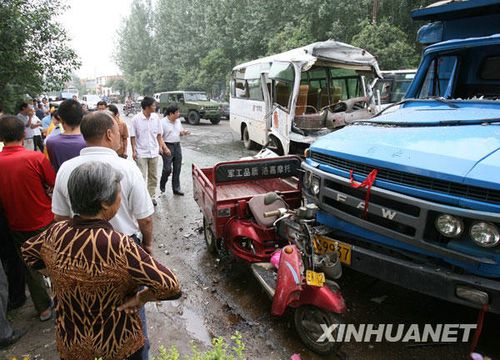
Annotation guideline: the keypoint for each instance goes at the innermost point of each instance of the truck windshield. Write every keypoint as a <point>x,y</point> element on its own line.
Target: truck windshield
<point>467,74</point>
<point>438,80</point>
<point>195,97</point>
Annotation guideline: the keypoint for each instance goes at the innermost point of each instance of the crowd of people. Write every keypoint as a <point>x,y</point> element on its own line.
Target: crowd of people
<point>74,209</point>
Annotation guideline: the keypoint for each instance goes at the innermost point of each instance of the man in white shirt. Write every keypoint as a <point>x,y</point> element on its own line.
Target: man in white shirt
<point>135,215</point>
<point>24,115</point>
<point>147,143</point>
<point>36,132</point>
<point>172,132</point>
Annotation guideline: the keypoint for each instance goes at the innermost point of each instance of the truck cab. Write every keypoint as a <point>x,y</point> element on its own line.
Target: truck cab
<point>414,194</point>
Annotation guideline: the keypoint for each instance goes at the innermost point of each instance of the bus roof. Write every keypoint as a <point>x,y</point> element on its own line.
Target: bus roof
<point>328,52</point>
<point>403,71</point>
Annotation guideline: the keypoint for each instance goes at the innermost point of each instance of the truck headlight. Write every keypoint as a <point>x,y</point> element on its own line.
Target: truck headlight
<point>315,185</point>
<point>449,226</point>
<point>202,108</point>
<point>485,234</point>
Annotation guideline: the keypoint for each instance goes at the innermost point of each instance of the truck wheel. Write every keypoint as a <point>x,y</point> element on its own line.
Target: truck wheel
<point>275,145</point>
<point>308,320</point>
<point>249,144</point>
<point>193,117</point>
<point>209,237</point>
<point>215,121</point>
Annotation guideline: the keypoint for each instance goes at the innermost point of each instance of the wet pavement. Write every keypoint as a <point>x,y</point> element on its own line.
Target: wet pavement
<point>221,296</point>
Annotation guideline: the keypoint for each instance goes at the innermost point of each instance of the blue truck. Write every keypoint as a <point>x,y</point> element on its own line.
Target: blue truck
<point>412,196</point>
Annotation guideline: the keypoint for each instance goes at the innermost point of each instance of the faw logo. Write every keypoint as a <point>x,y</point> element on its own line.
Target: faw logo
<point>360,204</point>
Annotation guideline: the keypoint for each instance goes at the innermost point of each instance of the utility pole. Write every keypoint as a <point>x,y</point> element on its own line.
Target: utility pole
<point>376,5</point>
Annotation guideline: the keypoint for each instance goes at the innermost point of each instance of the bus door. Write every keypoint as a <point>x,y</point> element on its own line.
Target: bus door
<point>256,106</point>
<point>282,75</point>
<point>266,85</point>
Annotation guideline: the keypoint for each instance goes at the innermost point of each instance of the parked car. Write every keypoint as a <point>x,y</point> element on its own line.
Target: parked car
<point>114,98</point>
<point>193,105</point>
<point>90,101</point>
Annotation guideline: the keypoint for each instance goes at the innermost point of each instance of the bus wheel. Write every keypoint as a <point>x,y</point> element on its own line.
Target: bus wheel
<point>275,145</point>
<point>249,144</point>
<point>193,117</point>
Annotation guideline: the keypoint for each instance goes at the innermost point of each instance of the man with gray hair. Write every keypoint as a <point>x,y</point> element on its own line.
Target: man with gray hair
<point>101,133</point>
<point>135,215</point>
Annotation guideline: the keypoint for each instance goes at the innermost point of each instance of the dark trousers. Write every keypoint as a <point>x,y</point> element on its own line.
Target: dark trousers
<point>5,328</point>
<point>173,161</point>
<point>34,279</point>
<point>13,266</point>
<point>137,355</point>
<point>38,142</point>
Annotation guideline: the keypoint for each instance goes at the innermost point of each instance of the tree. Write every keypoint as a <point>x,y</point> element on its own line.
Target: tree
<point>290,37</point>
<point>194,44</point>
<point>388,43</point>
<point>33,48</point>
<point>117,85</point>
<point>135,48</point>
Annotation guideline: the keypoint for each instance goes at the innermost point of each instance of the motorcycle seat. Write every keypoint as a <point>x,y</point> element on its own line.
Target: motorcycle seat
<point>258,207</point>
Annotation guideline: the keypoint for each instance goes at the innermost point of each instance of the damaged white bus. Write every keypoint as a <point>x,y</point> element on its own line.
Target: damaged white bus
<point>286,101</point>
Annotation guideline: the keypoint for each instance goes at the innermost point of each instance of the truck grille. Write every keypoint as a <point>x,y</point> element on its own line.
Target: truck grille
<point>417,181</point>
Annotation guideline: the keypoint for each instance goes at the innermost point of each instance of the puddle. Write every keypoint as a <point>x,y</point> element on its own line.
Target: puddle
<point>195,326</point>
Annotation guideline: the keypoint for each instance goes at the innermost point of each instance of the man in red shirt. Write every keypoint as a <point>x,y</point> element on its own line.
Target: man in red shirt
<point>25,182</point>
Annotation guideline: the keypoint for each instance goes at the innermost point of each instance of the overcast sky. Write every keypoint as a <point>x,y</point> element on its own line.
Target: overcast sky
<point>92,27</point>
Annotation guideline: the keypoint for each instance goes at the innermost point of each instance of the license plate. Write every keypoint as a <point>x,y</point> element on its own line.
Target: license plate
<point>325,245</point>
<point>315,279</point>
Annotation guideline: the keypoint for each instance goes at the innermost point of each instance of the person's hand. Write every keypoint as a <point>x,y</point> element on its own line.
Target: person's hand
<point>134,155</point>
<point>132,304</point>
<point>148,248</point>
<point>166,151</point>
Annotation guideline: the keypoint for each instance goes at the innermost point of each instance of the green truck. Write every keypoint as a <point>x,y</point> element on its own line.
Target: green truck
<point>193,105</point>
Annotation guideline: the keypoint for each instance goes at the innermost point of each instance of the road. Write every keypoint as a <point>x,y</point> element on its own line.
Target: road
<point>221,296</point>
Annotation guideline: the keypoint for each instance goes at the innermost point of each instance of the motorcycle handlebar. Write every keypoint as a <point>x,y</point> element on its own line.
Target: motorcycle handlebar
<point>272,213</point>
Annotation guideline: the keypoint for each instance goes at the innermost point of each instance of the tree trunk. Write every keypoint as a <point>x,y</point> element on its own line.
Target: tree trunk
<point>376,5</point>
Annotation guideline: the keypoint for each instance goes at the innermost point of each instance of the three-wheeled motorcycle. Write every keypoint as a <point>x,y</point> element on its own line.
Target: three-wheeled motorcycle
<point>253,210</point>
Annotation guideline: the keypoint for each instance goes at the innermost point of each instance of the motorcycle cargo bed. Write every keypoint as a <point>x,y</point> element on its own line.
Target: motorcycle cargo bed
<point>253,187</point>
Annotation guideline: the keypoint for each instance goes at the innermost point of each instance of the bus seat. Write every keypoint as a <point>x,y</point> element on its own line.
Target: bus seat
<point>300,109</point>
<point>312,100</point>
